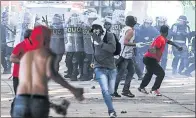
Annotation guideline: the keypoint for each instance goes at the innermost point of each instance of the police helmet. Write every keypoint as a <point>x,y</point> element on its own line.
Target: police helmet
<point>148,20</point>
<point>183,18</point>
<point>162,19</point>
<point>92,15</point>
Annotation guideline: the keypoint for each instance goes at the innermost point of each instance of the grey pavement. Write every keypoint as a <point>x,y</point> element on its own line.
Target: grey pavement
<point>178,98</point>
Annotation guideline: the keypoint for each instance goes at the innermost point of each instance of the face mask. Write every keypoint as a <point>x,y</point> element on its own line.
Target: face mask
<point>97,31</point>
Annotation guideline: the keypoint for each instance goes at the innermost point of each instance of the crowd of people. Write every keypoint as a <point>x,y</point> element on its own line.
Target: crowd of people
<point>95,48</point>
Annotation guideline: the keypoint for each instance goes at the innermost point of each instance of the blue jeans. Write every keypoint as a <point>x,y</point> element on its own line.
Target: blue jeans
<point>106,78</point>
<point>30,106</point>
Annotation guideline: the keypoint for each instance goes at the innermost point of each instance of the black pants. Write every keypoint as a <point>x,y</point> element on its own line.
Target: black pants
<point>87,70</point>
<point>31,106</point>
<point>78,59</point>
<point>152,67</point>
<point>57,61</point>
<point>125,64</point>
<point>69,58</point>
<point>15,84</point>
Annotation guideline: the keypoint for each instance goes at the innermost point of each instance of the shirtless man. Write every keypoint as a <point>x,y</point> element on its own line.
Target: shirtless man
<point>36,68</point>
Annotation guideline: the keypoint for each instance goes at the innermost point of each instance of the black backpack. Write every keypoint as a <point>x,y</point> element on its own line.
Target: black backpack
<point>118,45</point>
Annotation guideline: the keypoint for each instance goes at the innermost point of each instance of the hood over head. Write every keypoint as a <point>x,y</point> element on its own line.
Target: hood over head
<point>40,36</point>
<point>98,22</point>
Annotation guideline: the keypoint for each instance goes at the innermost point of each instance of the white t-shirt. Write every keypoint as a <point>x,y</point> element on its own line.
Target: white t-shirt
<point>126,51</point>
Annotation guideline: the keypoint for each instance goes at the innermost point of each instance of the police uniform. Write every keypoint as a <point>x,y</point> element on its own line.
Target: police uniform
<point>180,32</point>
<point>74,47</point>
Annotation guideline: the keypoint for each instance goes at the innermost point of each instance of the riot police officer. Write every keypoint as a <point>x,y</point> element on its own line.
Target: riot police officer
<point>146,35</point>
<point>57,40</point>
<point>180,32</point>
<point>74,47</point>
<point>88,49</point>
<point>191,65</point>
<point>161,20</point>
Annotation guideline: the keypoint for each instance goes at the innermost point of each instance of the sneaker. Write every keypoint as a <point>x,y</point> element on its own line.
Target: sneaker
<point>155,92</point>
<point>128,94</point>
<point>115,94</point>
<point>140,78</point>
<point>112,115</point>
<point>142,90</point>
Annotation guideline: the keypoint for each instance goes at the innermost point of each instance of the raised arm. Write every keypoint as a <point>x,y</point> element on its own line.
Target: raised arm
<point>110,46</point>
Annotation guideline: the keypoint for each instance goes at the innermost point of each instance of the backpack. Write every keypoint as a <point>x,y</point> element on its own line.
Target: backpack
<point>118,45</point>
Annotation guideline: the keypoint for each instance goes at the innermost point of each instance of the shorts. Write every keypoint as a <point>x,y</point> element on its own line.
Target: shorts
<point>30,106</point>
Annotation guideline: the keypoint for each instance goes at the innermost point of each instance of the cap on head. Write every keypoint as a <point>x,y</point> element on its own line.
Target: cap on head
<point>40,36</point>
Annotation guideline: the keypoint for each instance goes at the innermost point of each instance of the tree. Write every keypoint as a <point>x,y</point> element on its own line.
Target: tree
<point>188,4</point>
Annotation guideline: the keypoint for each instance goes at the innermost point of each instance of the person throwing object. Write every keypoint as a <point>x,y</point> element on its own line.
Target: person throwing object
<point>152,58</point>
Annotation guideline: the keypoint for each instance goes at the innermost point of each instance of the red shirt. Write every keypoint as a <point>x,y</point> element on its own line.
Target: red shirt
<point>160,43</point>
<point>19,51</point>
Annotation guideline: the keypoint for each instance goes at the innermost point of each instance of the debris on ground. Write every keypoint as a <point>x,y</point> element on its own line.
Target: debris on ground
<point>93,87</point>
<point>123,112</point>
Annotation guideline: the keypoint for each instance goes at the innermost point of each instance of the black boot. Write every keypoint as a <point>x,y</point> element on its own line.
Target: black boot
<point>115,94</point>
<point>128,94</point>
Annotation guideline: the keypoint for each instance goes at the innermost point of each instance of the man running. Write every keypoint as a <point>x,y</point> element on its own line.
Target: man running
<point>151,60</point>
<point>36,68</point>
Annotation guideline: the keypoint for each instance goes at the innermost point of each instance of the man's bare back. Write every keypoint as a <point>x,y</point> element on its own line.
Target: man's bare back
<point>33,76</point>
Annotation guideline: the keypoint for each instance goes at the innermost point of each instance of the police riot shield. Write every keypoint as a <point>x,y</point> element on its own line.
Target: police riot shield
<point>74,35</point>
<point>87,39</point>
